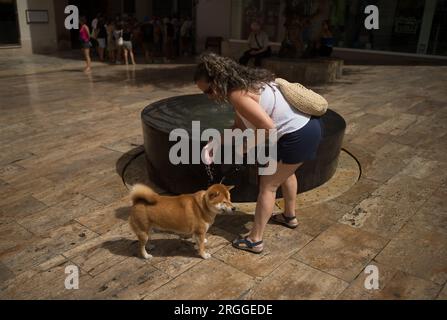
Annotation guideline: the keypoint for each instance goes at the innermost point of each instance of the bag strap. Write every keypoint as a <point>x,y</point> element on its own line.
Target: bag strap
<point>274,95</point>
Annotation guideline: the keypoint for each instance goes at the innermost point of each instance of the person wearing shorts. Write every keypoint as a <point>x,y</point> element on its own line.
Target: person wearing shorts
<point>260,105</point>
<point>101,38</point>
<point>127,45</point>
<point>84,38</point>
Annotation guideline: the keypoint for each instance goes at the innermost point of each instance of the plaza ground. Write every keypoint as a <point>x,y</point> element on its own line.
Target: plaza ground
<point>64,136</point>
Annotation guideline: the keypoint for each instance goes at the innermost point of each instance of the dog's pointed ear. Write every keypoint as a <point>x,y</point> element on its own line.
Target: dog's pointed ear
<point>229,188</point>
<point>213,195</point>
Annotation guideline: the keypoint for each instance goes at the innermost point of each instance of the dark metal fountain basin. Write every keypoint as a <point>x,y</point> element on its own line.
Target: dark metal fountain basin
<point>160,118</point>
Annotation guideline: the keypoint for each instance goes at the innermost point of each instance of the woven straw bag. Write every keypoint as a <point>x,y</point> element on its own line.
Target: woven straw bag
<point>303,99</point>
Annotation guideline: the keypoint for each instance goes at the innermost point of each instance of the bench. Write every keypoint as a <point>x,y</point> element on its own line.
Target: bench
<point>306,71</point>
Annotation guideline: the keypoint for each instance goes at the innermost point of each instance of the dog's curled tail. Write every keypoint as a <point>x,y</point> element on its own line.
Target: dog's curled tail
<point>142,192</point>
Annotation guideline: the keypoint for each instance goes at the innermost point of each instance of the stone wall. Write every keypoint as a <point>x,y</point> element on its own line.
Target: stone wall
<point>40,37</point>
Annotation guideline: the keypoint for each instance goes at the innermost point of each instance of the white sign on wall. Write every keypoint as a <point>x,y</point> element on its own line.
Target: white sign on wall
<point>37,16</point>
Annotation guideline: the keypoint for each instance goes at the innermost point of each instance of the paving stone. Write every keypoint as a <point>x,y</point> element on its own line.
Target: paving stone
<point>5,273</point>
<point>330,210</point>
<point>107,191</point>
<point>393,284</point>
<point>403,188</point>
<point>102,253</point>
<point>133,278</point>
<point>443,294</point>
<point>360,191</point>
<point>433,213</point>
<point>380,216</point>
<point>211,279</point>
<point>279,244</point>
<point>10,170</point>
<point>13,237</point>
<point>294,280</point>
<point>20,207</point>
<point>426,170</point>
<point>396,125</point>
<point>40,223</point>
<point>371,141</point>
<point>72,144</point>
<point>43,249</point>
<point>45,281</point>
<point>341,251</point>
<point>107,218</point>
<point>174,256</point>
<point>411,250</point>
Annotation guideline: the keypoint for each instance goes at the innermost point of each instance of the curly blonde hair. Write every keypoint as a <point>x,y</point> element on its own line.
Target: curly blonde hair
<point>226,75</point>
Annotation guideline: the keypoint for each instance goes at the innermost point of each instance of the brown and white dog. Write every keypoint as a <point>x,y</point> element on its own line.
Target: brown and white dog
<point>188,215</point>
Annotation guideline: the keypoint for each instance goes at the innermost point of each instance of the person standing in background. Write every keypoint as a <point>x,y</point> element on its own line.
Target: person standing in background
<point>176,39</point>
<point>101,38</point>
<point>147,31</point>
<point>168,37</point>
<point>158,37</point>
<point>118,34</point>
<point>84,38</point>
<point>327,40</point>
<point>127,44</point>
<point>111,42</point>
<point>186,37</point>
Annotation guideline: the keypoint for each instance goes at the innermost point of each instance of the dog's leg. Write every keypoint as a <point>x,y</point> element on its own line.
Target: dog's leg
<point>143,237</point>
<point>150,246</point>
<point>196,241</point>
<point>200,238</point>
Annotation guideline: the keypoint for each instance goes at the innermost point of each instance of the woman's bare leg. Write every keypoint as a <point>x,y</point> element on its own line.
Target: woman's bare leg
<point>267,196</point>
<point>289,190</point>
<point>132,57</point>
<point>126,56</point>
<point>88,61</point>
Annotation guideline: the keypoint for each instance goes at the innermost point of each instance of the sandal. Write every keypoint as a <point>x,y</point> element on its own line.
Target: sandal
<point>284,220</point>
<point>247,245</point>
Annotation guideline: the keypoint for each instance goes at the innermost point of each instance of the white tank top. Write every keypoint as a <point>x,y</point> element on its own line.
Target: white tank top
<point>286,118</point>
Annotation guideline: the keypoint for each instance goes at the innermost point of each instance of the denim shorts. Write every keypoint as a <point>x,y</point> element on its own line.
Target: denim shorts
<point>301,145</point>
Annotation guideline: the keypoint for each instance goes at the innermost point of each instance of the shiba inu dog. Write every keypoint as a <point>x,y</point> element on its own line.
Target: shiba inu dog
<point>187,215</point>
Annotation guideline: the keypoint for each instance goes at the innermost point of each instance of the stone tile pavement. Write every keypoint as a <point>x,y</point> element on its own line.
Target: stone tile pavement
<point>63,135</point>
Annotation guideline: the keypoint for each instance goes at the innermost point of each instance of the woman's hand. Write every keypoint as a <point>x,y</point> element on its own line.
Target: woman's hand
<point>208,151</point>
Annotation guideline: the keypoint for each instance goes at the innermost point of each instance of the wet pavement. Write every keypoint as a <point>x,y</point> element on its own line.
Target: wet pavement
<point>65,135</point>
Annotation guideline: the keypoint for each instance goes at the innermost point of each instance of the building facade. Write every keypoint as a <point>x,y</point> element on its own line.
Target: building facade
<point>416,27</point>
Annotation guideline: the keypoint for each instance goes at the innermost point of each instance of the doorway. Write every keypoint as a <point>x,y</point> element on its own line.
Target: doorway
<point>9,24</point>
